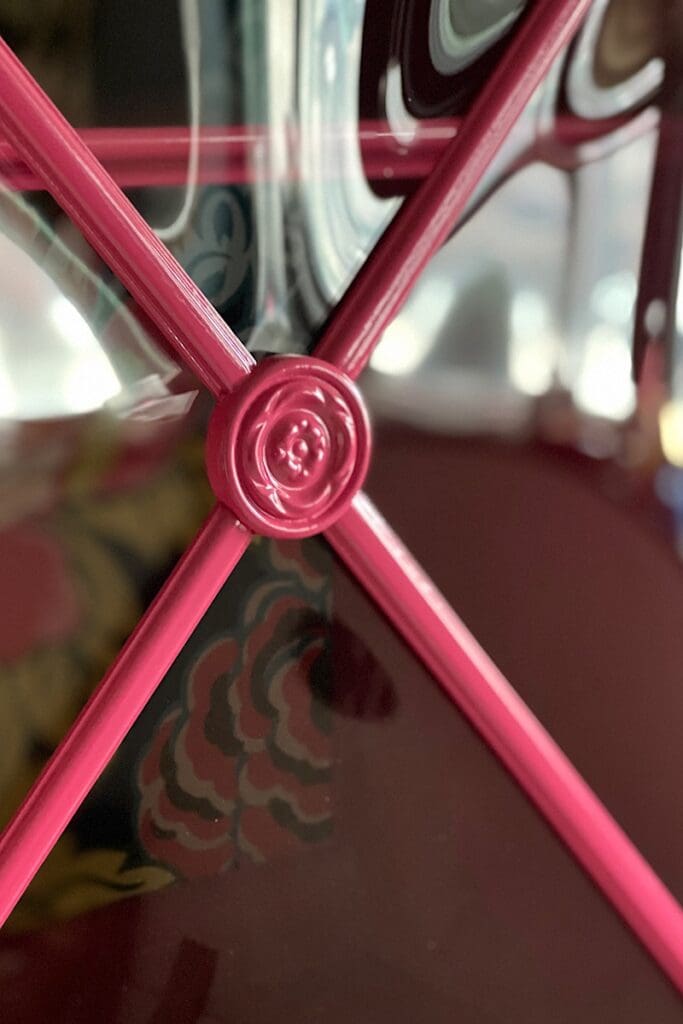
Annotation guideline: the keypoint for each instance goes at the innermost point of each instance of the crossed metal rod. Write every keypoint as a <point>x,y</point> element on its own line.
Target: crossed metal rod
<point>53,150</point>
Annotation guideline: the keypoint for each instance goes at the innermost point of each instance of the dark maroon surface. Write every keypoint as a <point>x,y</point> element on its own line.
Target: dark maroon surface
<point>441,896</point>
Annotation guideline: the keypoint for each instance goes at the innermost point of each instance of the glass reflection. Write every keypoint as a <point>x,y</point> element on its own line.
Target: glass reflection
<point>362,851</point>
<point>461,30</point>
<point>69,345</point>
<point>533,296</point>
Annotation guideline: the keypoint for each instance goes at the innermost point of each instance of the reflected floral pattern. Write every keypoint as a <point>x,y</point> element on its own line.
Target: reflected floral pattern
<point>96,543</point>
<point>219,253</point>
<point>241,768</point>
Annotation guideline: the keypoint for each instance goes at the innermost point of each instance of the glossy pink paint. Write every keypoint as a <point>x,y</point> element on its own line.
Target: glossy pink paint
<point>44,140</point>
<point>409,599</point>
<point>428,217</point>
<point>158,156</point>
<point>231,154</point>
<point>289,448</point>
<point>118,700</point>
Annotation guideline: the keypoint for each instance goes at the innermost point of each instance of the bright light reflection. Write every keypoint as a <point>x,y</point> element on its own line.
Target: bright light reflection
<point>671,432</point>
<point>74,330</point>
<point>613,297</point>
<point>410,338</point>
<point>402,348</point>
<point>604,386</point>
<point>534,346</point>
<point>531,362</point>
<point>330,63</point>
<point>8,403</point>
<point>88,380</point>
<point>529,312</point>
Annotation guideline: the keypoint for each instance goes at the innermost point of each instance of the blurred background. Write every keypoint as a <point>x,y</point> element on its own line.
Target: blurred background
<point>364,856</point>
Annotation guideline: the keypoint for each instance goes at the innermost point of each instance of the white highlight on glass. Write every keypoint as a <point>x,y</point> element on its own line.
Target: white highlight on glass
<point>534,344</point>
<point>613,298</point>
<point>88,380</point>
<point>604,386</point>
<point>402,349</point>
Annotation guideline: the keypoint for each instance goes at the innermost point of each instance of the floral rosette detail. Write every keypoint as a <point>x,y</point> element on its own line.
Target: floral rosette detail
<point>289,448</point>
<point>299,450</point>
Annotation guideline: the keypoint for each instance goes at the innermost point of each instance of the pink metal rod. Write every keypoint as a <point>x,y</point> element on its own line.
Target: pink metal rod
<point>426,219</point>
<point>376,556</point>
<point>112,225</point>
<point>158,156</point>
<point>116,703</point>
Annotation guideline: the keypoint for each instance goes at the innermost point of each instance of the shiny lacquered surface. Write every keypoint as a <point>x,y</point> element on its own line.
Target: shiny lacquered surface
<point>388,572</point>
<point>290,449</point>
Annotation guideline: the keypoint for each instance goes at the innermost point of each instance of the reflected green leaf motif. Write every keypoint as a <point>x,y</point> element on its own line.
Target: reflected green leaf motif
<point>219,253</point>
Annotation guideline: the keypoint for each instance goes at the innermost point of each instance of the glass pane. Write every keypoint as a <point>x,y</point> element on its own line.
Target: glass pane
<point>102,482</point>
<point>381,867</point>
<point>300,825</point>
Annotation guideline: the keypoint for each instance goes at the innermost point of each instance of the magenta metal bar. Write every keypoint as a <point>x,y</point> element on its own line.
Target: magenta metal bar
<point>158,156</point>
<point>112,225</point>
<point>426,219</point>
<point>138,157</point>
<point>660,259</point>
<point>409,599</point>
<point>116,703</point>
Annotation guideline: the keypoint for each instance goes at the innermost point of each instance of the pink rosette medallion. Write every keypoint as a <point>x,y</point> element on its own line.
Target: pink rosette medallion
<point>288,450</point>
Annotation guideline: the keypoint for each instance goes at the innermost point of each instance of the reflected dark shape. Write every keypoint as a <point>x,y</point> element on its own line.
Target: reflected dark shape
<point>398,75</point>
<point>472,335</point>
<point>615,63</point>
<point>54,41</point>
<point>440,895</point>
<point>187,988</point>
<point>629,37</point>
<point>437,894</point>
<point>399,32</point>
<point>358,687</point>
